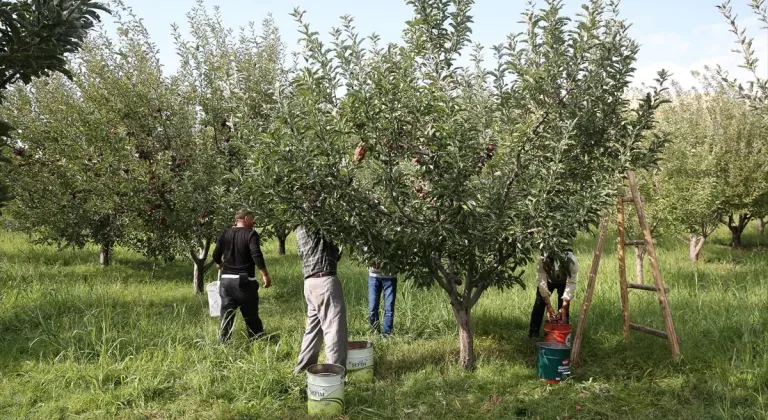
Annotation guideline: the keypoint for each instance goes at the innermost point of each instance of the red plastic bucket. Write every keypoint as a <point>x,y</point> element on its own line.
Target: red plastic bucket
<point>557,333</point>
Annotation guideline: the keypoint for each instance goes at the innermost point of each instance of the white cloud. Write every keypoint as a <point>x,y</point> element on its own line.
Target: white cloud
<point>682,74</point>
<point>667,41</point>
<point>712,45</point>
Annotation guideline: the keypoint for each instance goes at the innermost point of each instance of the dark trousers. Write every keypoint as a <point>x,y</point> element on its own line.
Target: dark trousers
<point>244,294</point>
<point>377,285</point>
<point>540,306</point>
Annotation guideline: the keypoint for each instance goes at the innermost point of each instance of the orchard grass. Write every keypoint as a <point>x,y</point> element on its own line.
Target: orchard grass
<point>132,341</point>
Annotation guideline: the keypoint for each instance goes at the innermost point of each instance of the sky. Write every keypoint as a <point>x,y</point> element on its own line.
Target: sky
<point>676,35</point>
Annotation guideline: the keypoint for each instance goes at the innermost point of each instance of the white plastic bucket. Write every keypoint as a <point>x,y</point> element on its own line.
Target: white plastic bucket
<point>360,361</point>
<point>325,389</point>
<point>214,300</point>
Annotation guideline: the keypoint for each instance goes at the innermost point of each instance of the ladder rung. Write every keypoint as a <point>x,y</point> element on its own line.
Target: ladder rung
<point>634,242</point>
<point>647,287</point>
<point>647,330</point>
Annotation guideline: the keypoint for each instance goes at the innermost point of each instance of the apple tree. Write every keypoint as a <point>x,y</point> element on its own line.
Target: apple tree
<point>687,197</point>
<point>35,36</point>
<point>755,90</point>
<point>468,172</point>
<point>69,166</point>
<point>231,81</point>
<point>717,165</point>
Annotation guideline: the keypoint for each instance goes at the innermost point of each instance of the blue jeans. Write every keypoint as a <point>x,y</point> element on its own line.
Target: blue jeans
<point>375,286</point>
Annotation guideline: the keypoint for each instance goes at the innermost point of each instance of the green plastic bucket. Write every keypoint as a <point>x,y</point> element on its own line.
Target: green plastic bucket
<point>360,361</point>
<point>325,389</point>
<point>554,361</point>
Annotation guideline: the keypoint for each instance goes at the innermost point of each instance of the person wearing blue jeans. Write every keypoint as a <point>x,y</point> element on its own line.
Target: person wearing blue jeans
<point>379,282</point>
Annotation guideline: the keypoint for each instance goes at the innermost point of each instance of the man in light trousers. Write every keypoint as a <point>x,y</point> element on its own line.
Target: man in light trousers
<point>326,308</point>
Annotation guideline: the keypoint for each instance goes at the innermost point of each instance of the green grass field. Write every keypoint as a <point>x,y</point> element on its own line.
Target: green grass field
<point>132,341</point>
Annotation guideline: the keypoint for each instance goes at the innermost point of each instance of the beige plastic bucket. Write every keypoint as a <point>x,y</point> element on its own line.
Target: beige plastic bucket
<point>214,300</point>
<point>325,389</point>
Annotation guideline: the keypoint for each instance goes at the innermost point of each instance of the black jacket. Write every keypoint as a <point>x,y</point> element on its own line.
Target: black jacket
<point>239,251</point>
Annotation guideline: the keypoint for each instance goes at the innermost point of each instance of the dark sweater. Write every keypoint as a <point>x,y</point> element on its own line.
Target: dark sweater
<point>239,251</point>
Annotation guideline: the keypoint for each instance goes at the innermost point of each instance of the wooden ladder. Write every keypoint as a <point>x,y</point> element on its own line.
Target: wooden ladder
<point>658,287</point>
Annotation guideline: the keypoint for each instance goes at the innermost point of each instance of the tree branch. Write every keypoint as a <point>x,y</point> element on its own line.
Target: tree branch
<point>700,244</point>
<point>206,249</point>
<point>708,229</point>
<point>397,205</point>
<point>469,282</point>
<point>510,181</point>
<point>746,219</point>
<point>9,79</point>
<point>476,294</point>
<point>533,133</point>
<point>449,283</point>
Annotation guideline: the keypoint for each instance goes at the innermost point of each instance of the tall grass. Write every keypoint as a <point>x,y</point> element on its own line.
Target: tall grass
<point>131,341</point>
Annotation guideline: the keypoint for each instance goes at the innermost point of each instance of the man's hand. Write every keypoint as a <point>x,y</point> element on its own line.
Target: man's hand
<point>220,266</point>
<point>550,312</point>
<point>551,317</point>
<point>267,281</point>
<point>359,154</point>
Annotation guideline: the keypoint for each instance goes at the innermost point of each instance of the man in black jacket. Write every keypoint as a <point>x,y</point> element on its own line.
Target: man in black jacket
<point>238,254</point>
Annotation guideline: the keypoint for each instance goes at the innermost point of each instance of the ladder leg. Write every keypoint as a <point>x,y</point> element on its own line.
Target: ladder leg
<point>674,343</point>
<point>622,266</point>
<point>576,347</point>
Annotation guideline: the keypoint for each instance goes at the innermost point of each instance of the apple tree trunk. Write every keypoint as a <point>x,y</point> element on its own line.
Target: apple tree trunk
<point>466,340</point>
<point>105,254</point>
<point>695,244</point>
<point>199,259</point>
<point>737,228</point>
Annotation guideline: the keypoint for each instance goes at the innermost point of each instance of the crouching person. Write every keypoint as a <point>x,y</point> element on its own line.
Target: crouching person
<point>553,274</point>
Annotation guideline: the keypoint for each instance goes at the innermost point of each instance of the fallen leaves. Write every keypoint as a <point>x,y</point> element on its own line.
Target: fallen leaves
<point>494,400</point>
